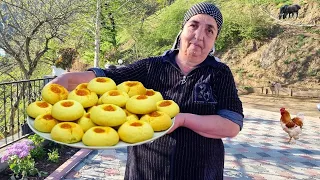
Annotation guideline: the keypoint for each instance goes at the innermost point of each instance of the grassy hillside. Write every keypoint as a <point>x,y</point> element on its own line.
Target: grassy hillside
<point>254,43</point>
<point>291,57</point>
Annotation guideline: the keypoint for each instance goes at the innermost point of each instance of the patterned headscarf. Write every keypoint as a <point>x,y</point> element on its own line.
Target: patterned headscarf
<point>201,8</point>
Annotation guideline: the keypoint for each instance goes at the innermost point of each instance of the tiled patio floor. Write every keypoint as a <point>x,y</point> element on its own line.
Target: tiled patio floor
<point>260,151</point>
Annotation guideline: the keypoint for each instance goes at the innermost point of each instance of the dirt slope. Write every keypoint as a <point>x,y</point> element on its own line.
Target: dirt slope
<point>292,57</point>
<point>293,105</point>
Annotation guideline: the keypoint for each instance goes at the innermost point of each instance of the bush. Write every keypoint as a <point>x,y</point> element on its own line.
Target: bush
<point>37,152</point>
<point>248,24</point>
<point>19,159</point>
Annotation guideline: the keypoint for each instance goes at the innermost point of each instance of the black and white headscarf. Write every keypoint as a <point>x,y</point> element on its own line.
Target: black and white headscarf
<point>201,8</point>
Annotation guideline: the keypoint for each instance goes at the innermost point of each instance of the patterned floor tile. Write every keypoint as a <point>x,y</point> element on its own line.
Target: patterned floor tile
<point>260,151</point>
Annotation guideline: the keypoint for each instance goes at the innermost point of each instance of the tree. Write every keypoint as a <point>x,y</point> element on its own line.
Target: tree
<point>27,28</point>
<point>121,15</point>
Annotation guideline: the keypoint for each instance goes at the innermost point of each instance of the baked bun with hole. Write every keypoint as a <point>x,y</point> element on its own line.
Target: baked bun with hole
<point>100,136</point>
<point>141,104</point>
<point>135,131</point>
<point>155,95</point>
<point>38,107</point>
<point>82,86</point>
<point>115,97</point>
<point>67,132</point>
<point>100,85</point>
<point>45,122</point>
<point>67,110</point>
<point>158,120</point>
<point>169,107</point>
<point>84,96</point>
<point>108,115</point>
<point>132,88</point>
<point>85,122</point>
<point>53,93</point>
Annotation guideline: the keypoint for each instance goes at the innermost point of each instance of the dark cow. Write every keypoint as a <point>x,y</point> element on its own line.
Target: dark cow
<point>282,13</point>
<point>289,10</point>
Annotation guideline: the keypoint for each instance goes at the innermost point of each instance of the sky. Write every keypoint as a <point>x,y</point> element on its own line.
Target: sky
<point>2,52</point>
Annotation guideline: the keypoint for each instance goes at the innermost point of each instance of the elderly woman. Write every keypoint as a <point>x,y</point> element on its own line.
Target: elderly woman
<point>203,88</point>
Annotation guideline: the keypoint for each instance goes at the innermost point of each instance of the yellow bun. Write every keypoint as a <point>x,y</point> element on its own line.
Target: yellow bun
<point>38,107</point>
<point>135,131</point>
<point>158,120</point>
<point>84,96</point>
<point>90,108</point>
<point>132,88</point>
<point>115,97</point>
<point>85,122</point>
<point>100,85</point>
<point>108,115</point>
<point>141,104</point>
<point>67,110</point>
<point>67,132</point>
<point>155,95</point>
<point>82,86</point>
<point>100,136</point>
<point>45,122</point>
<point>169,107</point>
<point>53,93</point>
<point>130,116</point>
<point>99,101</point>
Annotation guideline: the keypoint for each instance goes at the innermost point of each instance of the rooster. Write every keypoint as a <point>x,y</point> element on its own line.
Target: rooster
<point>292,126</point>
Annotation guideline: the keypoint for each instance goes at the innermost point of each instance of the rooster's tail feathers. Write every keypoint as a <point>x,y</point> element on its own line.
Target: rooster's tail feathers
<point>300,115</point>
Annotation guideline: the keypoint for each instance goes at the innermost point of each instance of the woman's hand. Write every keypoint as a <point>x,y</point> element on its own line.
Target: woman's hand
<point>62,80</point>
<point>71,79</point>
<point>178,122</point>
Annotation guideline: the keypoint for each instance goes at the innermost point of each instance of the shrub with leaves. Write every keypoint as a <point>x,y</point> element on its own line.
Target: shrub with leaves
<point>19,159</point>
<point>37,152</point>
<point>53,155</point>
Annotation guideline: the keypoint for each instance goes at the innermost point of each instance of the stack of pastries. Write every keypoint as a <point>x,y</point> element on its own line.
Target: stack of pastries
<point>101,113</point>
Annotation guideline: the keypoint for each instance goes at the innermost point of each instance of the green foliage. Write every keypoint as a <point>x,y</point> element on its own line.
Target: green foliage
<point>300,41</point>
<point>53,155</point>
<point>23,167</point>
<point>248,24</point>
<point>19,159</point>
<point>240,70</point>
<point>247,87</point>
<point>37,152</point>
<point>281,3</point>
<point>289,61</point>
<point>292,51</point>
<point>159,30</point>
<point>312,72</point>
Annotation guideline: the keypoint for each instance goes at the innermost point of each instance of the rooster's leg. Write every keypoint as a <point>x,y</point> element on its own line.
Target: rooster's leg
<point>290,140</point>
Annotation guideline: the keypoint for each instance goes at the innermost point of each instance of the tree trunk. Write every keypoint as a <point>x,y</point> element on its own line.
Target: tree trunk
<point>97,36</point>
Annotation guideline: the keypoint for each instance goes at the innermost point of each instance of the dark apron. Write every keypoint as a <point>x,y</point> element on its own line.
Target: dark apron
<point>194,158</point>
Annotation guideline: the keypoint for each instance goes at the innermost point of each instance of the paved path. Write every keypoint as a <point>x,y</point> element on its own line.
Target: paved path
<point>260,151</point>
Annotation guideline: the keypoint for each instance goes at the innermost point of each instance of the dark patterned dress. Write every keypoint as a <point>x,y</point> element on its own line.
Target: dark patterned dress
<point>182,155</point>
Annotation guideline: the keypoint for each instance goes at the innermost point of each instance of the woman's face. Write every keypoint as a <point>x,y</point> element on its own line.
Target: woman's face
<point>198,37</point>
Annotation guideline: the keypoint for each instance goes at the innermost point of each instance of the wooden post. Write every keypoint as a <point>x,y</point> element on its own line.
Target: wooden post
<point>291,92</point>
